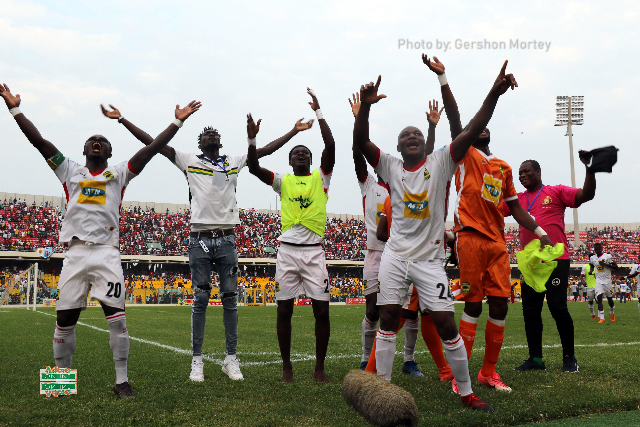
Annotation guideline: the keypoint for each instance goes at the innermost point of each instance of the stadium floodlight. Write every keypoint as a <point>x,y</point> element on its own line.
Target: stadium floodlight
<point>569,112</point>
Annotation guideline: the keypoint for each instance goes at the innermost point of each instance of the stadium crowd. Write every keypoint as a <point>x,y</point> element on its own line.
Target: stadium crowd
<point>146,232</point>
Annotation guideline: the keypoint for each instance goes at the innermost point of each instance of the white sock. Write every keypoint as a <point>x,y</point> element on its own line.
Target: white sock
<point>119,343</point>
<point>593,313</point>
<point>601,314</point>
<point>369,330</point>
<point>611,310</point>
<point>385,351</point>
<point>198,358</point>
<point>457,357</point>
<point>228,357</point>
<point>411,328</point>
<point>64,344</point>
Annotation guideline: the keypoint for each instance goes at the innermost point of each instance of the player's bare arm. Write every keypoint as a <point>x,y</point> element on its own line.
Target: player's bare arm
<point>368,97</point>
<point>253,163</point>
<point>46,148</point>
<point>449,102</point>
<point>382,232</point>
<point>144,155</point>
<point>611,264</point>
<point>274,145</point>
<point>140,135</point>
<point>588,190</point>
<point>433,116</point>
<point>328,158</point>
<point>358,159</point>
<point>462,142</point>
<point>523,218</point>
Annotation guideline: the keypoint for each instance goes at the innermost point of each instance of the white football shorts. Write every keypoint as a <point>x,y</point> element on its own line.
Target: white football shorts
<point>428,277</point>
<point>370,271</point>
<point>301,269</point>
<point>91,267</point>
<point>606,289</point>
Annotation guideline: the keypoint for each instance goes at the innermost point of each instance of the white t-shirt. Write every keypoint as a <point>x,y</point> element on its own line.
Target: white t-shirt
<point>418,203</point>
<point>212,189</point>
<point>574,287</point>
<point>603,273</point>
<point>624,288</point>
<point>93,201</point>
<point>299,234</point>
<point>373,196</point>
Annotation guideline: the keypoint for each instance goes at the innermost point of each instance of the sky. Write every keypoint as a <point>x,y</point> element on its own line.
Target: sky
<point>144,57</point>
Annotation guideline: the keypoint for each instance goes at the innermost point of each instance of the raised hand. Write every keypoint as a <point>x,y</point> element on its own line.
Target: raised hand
<point>184,113</point>
<point>115,114</point>
<point>314,104</point>
<point>435,65</point>
<point>369,93</point>
<point>433,115</point>
<point>11,100</point>
<point>300,126</point>
<point>355,105</point>
<point>252,127</point>
<point>504,81</point>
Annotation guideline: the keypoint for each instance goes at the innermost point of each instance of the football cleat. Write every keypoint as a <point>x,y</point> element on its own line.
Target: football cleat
<point>471,401</point>
<point>411,368</point>
<point>363,366</point>
<point>493,381</point>
<point>123,390</point>
<point>569,364</point>
<point>454,387</point>
<point>445,374</point>
<point>613,317</point>
<point>601,321</point>
<point>530,365</point>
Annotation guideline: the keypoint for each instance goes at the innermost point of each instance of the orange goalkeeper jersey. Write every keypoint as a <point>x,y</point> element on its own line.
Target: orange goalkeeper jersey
<point>482,183</point>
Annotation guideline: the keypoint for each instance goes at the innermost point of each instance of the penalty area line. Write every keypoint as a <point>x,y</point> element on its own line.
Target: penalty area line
<point>301,357</point>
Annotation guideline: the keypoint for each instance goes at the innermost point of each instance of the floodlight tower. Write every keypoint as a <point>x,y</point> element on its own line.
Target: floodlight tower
<point>569,112</point>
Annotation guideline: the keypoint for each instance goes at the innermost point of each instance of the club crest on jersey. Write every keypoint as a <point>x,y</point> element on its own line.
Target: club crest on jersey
<point>426,175</point>
<point>108,175</point>
<point>547,200</point>
<point>93,192</point>
<point>416,205</point>
<point>491,189</point>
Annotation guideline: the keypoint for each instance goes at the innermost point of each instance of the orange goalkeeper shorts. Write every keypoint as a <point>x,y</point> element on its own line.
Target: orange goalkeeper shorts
<point>484,267</point>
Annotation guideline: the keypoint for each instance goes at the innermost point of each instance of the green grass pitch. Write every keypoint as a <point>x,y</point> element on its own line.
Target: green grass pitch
<point>159,365</point>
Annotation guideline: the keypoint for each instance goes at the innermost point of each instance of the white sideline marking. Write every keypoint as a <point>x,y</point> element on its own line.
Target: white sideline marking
<point>301,357</point>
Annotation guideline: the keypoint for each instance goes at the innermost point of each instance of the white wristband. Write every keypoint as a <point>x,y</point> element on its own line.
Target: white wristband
<point>15,111</point>
<point>442,78</point>
<point>540,232</point>
<point>178,122</point>
<point>120,119</point>
<point>251,141</point>
<point>319,114</point>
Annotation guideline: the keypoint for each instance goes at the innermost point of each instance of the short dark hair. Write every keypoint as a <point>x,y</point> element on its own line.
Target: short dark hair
<point>207,129</point>
<point>534,163</point>
<point>298,146</point>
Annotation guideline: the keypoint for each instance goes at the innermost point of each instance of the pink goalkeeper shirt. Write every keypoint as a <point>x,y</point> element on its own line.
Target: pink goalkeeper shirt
<point>548,211</point>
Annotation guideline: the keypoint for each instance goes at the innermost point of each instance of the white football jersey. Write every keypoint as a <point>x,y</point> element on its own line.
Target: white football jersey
<point>603,273</point>
<point>212,189</point>
<point>624,288</point>
<point>418,202</point>
<point>373,196</point>
<point>93,201</point>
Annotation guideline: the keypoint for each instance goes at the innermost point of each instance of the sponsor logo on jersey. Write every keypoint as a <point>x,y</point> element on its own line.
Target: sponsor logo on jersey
<point>547,200</point>
<point>491,189</point>
<point>465,287</point>
<point>378,212</point>
<point>108,175</point>
<point>305,202</point>
<point>416,205</point>
<point>93,192</point>
<point>426,175</point>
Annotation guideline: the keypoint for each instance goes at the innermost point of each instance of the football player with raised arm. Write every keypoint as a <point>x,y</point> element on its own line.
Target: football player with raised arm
<point>301,265</point>
<point>94,194</point>
<point>419,185</point>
